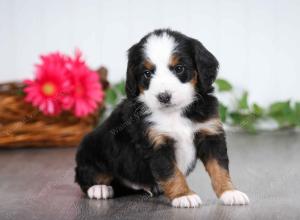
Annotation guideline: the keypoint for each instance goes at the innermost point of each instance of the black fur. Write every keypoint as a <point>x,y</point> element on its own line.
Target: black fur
<point>120,147</point>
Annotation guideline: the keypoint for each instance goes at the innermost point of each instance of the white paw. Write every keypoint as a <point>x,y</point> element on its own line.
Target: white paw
<point>190,201</point>
<point>100,192</point>
<point>234,197</point>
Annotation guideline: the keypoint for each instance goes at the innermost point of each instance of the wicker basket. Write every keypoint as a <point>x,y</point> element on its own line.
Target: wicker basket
<point>22,125</point>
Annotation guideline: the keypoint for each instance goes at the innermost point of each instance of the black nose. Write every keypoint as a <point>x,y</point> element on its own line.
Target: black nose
<point>164,97</point>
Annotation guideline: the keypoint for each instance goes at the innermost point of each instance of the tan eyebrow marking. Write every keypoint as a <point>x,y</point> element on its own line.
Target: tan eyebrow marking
<point>174,60</point>
<point>148,65</point>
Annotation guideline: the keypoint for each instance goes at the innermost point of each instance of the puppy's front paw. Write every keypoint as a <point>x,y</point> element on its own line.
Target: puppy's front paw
<point>188,201</point>
<point>234,197</point>
<point>100,192</point>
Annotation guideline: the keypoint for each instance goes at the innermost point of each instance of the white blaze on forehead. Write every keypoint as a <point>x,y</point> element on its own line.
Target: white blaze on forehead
<point>160,48</point>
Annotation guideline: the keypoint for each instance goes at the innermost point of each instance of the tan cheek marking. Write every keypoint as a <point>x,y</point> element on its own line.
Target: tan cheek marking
<point>156,138</point>
<point>141,89</point>
<point>104,179</point>
<point>212,126</point>
<point>176,186</point>
<point>194,80</point>
<point>220,178</point>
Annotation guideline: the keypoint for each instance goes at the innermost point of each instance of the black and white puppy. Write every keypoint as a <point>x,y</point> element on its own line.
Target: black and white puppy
<point>153,138</point>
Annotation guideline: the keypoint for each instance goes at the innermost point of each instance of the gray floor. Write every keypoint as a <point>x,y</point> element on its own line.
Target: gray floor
<point>38,184</point>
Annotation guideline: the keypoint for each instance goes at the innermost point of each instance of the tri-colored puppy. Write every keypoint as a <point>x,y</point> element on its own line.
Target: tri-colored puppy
<point>153,138</point>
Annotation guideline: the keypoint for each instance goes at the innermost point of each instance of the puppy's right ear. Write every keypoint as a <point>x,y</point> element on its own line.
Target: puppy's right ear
<point>131,87</point>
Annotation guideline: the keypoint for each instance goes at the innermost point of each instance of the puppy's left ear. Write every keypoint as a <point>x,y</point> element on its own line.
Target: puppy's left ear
<point>206,66</point>
<point>131,85</point>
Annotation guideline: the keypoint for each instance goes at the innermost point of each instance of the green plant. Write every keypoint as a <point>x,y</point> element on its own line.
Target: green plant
<point>244,115</point>
<point>115,93</point>
<point>247,115</point>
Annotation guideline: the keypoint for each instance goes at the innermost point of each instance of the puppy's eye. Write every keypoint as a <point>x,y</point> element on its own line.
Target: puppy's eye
<point>147,74</point>
<point>179,69</point>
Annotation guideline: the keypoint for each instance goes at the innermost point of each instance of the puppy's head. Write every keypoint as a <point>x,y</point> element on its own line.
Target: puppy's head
<point>166,70</point>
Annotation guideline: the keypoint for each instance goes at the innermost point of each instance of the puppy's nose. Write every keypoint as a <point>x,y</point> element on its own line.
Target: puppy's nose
<point>164,97</point>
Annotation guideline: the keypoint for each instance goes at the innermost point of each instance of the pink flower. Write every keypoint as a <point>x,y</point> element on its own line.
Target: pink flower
<point>50,86</point>
<point>64,83</point>
<point>86,92</point>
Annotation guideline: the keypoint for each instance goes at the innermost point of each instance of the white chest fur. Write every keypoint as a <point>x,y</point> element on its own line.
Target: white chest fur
<point>182,131</point>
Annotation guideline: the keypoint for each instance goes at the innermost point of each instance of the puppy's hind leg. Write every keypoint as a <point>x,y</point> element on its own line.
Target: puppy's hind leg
<point>94,183</point>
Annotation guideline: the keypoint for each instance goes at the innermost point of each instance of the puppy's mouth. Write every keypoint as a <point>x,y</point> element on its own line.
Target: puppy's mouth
<point>167,106</point>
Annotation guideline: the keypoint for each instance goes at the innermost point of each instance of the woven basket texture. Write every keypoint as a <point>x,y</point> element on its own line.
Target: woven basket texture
<point>22,125</point>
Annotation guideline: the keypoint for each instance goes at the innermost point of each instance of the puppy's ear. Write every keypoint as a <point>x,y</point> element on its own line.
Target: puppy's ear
<point>206,66</point>
<point>131,86</point>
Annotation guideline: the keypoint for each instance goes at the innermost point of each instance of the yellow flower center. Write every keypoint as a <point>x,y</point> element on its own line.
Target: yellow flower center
<point>48,89</point>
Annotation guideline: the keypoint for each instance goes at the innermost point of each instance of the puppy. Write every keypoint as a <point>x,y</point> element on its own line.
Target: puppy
<point>153,138</point>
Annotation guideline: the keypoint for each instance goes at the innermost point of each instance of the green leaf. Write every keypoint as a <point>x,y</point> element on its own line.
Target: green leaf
<point>297,113</point>
<point>243,101</point>
<point>250,127</point>
<point>223,85</point>
<point>283,113</point>
<point>257,110</point>
<point>279,107</point>
<point>111,96</point>
<point>237,118</point>
<point>223,112</point>
<point>297,108</point>
<point>120,87</point>
<point>245,121</point>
